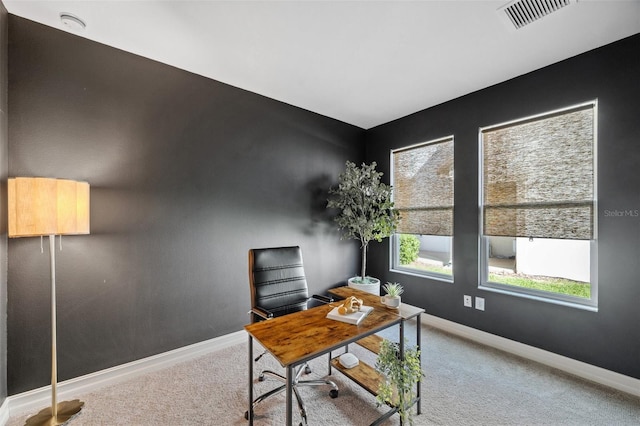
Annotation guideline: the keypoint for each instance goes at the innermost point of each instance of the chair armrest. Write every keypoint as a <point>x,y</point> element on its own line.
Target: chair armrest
<point>262,313</point>
<point>325,299</point>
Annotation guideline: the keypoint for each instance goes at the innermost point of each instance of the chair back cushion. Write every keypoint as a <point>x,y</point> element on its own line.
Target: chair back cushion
<point>277,280</point>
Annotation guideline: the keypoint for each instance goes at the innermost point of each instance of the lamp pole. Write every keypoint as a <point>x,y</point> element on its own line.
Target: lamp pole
<point>57,414</point>
<point>54,335</point>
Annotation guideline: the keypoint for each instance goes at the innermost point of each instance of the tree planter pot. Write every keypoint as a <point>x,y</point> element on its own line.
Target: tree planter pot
<point>372,287</point>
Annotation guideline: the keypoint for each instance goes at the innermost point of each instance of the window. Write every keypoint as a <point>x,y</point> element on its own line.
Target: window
<point>538,196</point>
<point>422,179</point>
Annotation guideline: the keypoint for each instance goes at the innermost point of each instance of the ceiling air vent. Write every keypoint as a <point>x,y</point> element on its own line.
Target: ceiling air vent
<point>524,12</point>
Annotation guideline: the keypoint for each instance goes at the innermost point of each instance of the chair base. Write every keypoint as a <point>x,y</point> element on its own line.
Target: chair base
<point>333,393</point>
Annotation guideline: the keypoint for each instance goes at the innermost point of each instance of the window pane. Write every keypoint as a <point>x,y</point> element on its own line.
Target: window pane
<point>422,182</point>
<point>433,253</point>
<point>537,203</point>
<point>558,266</point>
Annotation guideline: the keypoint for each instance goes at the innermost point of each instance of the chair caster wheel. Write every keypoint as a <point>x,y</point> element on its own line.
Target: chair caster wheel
<point>261,378</point>
<point>307,370</point>
<point>333,393</point>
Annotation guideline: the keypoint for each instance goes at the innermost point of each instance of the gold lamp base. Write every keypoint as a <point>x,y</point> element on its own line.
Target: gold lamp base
<point>66,411</point>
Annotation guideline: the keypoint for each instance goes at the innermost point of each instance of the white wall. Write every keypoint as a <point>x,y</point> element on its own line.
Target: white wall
<point>502,246</point>
<point>437,244</point>
<point>554,258</point>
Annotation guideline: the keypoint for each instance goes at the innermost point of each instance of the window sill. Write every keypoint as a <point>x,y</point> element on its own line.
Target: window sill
<point>570,304</point>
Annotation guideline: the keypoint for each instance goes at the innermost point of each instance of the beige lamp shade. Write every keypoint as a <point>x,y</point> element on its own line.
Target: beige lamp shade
<point>46,206</point>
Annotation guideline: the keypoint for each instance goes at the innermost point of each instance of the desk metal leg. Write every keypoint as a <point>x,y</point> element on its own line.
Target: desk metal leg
<point>250,411</point>
<point>418,341</point>
<point>401,394</point>
<point>289,385</point>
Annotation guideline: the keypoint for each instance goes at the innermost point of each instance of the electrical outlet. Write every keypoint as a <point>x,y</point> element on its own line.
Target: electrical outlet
<point>480,303</point>
<point>467,301</point>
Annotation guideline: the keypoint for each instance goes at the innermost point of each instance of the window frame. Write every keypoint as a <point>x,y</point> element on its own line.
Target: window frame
<point>394,239</point>
<point>590,304</point>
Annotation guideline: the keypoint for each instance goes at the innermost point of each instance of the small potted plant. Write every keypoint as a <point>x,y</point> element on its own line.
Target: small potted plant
<point>400,378</point>
<point>365,213</point>
<point>392,298</point>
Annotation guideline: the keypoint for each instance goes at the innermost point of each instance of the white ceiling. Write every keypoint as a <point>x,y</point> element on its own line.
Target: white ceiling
<point>361,62</point>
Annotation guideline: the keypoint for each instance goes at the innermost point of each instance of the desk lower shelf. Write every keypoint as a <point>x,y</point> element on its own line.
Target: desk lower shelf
<point>363,374</point>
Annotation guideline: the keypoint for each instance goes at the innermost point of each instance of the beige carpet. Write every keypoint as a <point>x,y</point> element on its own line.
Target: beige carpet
<point>465,384</point>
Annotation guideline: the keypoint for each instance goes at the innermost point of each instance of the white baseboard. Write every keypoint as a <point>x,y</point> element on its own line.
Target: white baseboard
<point>577,368</point>
<point>4,412</point>
<point>36,399</point>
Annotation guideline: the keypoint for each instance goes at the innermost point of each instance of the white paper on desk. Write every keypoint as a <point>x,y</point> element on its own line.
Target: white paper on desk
<point>352,318</point>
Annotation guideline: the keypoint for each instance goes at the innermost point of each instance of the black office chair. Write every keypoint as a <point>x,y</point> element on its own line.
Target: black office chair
<point>279,287</point>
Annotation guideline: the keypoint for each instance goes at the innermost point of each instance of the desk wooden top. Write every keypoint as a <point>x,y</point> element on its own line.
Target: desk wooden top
<point>304,335</point>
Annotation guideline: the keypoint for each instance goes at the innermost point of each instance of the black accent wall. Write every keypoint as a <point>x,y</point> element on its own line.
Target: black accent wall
<point>187,174</point>
<point>3,209</point>
<point>609,338</point>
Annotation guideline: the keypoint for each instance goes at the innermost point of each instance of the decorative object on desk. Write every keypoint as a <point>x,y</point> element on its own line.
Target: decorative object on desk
<point>350,305</point>
<point>352,317</point>
<point>366,213</point>
<point>348,360</point>
<point>39,207</point>
<point>392,298</point>
<point>400,378</point>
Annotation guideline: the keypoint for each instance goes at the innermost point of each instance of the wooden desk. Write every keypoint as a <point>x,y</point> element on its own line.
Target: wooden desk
<point>302,336</point>
<point>365,375</point>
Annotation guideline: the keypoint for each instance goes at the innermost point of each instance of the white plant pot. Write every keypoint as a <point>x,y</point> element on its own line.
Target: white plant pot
<point>373,287</point>
<point>391,301</point>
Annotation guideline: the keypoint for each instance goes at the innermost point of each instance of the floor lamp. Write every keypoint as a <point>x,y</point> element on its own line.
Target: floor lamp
<point>39,207</point>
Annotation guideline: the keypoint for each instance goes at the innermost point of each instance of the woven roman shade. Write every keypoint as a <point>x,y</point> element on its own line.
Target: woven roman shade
<point>423,188</point>
<point>538,176</point>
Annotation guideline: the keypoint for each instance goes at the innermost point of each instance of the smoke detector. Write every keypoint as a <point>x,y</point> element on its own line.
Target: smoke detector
<point>519,13</point>
<point>72,21</point>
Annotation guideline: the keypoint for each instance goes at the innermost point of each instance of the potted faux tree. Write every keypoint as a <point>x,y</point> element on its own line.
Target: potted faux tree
<point>365,213</point>
<point>400,376</point>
